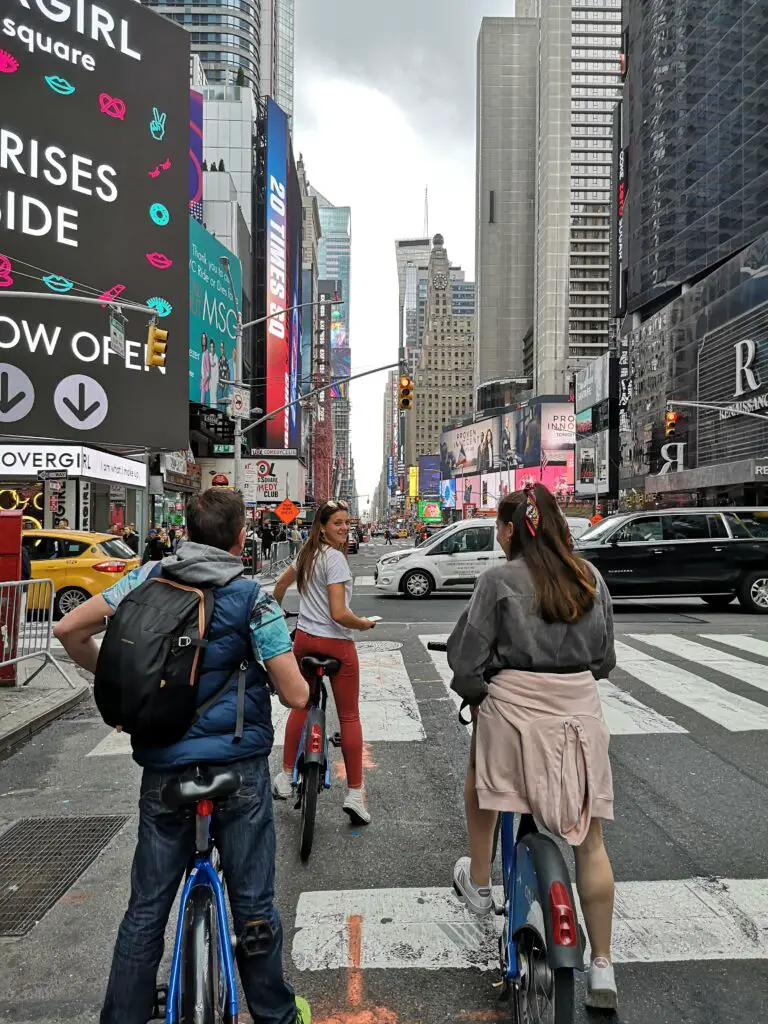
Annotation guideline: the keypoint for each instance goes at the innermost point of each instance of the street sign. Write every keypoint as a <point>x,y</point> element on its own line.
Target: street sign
<point>52,474</point>
<point>286,511</point>
<point>94,149</point>
<point>241,401</point>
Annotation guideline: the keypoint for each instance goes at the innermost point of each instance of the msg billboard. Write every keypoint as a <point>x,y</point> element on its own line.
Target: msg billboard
<point>283,272</point>
<point>94,141</point>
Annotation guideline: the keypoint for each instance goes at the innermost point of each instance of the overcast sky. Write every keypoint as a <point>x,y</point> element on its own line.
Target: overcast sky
<point>384,106</point>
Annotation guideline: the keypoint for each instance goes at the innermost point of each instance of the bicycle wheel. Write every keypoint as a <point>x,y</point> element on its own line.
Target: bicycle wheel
<point>310,786</point>
<point>544,994</point>
<point>200,982</point>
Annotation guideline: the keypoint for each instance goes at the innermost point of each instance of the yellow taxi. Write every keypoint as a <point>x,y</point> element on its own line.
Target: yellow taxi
<point>80,564</point>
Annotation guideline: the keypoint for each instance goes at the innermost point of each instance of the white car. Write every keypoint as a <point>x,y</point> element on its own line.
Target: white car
<point>578,525</point>
<point>451,560</point>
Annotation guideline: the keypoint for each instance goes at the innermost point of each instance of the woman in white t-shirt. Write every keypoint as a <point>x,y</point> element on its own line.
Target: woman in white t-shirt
<point>326,627</point>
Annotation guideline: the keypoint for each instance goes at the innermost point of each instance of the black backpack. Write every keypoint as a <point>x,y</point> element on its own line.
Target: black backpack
<point>148,670</point>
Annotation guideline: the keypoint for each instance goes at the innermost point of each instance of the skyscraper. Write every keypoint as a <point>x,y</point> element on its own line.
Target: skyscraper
<point>226,39</point>
<point>277,37</point>
<point>507,61</point>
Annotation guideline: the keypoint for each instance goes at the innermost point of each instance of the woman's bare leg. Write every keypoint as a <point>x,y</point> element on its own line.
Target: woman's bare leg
<point>480,826</point>
<point>594,881</point>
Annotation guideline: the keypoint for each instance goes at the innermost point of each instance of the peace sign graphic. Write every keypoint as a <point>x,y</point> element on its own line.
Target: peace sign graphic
<point>157,125</point>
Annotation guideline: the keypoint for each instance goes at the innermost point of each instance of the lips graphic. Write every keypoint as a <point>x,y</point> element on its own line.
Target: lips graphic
<point>57,284</point>
<point>159,260</point>
<point>59,85</point>
<point>8,63</point>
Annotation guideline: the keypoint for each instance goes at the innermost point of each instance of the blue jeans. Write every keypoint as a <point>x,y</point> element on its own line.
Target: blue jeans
<point>244,830</point>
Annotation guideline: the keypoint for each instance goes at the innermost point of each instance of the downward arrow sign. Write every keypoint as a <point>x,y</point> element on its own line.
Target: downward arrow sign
<point>80,410</point>
<point>7,403</point>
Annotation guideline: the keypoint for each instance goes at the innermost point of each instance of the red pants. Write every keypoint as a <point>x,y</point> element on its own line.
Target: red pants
<point>346,692</point>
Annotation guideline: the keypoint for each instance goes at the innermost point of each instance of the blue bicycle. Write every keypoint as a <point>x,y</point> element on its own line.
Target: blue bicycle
<point>202,988</point>
<point>542,942</point>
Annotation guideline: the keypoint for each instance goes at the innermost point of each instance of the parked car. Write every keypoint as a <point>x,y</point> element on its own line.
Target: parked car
<point>81,565</point>
<point>451,560</point>
<point>578,525</point>
<point>717,554</point>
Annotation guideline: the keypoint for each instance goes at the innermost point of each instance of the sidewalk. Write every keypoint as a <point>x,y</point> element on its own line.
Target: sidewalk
<point>24,710</point>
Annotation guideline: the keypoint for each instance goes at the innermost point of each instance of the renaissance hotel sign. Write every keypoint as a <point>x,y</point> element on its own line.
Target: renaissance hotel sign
<point>94,135</point>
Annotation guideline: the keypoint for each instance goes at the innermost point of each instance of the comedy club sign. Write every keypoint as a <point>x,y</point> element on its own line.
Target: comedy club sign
<point>94,134</point>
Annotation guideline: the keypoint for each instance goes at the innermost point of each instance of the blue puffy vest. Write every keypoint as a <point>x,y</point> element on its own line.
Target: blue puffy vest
<point>209,741</point>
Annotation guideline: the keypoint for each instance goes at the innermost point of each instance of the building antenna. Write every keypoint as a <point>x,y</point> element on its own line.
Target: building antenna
<point>426,211</point>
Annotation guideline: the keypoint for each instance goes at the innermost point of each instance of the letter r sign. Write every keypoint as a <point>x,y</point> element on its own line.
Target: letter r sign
<point>746,377</point>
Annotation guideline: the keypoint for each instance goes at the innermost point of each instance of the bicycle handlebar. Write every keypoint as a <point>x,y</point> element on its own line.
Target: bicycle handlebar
<point>437,645</point>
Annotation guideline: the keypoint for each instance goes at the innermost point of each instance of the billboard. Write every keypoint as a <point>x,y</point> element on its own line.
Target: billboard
<point>196,155</point>
<point>468,490</point>
<point>448,493</point>
<point>94,140</point>
<point>339,337</point>
<point>558,425</point>
<point>341,367</point>
<point>556,473</point>
<point>429,512</point>
<point>593,383</point>
<point>490,491</point>
<point>266,481</point>
<point>429,474</point>
<point>212,319</point>
<point>283,284</point>
<point>413,482</point>
<point>470,449</point>
<point>307,324</point>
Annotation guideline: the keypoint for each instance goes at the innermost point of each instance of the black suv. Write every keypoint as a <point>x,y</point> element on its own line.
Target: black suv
<point>717,554</point>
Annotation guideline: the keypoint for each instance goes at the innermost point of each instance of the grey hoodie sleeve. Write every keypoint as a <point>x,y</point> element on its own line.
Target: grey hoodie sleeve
<point>600,669</point>
<point>470,644</point>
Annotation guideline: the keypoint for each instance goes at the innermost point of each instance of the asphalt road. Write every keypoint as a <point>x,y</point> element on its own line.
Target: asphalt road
<point>373,934</point>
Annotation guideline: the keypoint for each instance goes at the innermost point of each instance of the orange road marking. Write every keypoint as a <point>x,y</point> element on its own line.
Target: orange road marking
<point>339,768</point>
<point>355,946</point>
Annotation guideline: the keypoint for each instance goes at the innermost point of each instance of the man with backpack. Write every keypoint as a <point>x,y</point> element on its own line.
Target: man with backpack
<point>200,699</point>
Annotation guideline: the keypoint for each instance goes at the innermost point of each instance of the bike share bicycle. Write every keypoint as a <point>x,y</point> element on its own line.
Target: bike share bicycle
<point>542,942</point>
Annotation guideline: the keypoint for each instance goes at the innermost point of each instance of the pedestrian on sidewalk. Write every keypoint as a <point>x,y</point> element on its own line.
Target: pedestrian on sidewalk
<point>326,627</point>
<point>267,539</point>
<point>525,655</point>
<point>295,539</point>
<point>246,625</point>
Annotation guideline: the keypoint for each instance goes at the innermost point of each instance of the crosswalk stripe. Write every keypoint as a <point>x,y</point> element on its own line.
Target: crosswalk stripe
<point>741,642</point>
<point>709,657</point>
<point>365,581</point>
<point>729,710</point>
<point>429,929</point>
<point>624,715</point>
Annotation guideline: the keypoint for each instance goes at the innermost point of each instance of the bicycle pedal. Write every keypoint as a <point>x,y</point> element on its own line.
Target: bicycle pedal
<point>161,1000</point>
<point>499,909</point>
<point>336,739</point>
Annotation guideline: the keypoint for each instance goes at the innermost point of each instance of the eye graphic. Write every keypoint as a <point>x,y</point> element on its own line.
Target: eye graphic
<point>111,294</point>
<point>159,214</point>
<point>159,260</point>
<point>8,63</point>
<point>161,306</point>
<point>111,106</point>
<point>57,284</point>
<point>59,85</point>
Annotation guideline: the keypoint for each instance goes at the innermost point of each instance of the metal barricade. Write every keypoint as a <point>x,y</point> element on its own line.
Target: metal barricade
<point>26,627</point>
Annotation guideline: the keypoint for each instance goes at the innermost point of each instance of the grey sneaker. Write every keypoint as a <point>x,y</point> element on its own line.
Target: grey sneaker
<point>601,985</point>
<point>355,807</point>
<point>282,787</point>
<point>477,898</point>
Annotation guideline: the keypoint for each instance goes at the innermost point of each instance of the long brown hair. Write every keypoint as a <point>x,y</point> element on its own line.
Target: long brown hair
<point>565,585</point>
<point>316,542</point>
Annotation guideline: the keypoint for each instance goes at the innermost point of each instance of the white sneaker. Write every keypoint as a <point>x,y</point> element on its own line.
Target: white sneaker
<point>282,787</point>
<point>355,807</point>
<point>601,985</point>
<point>477,898</point>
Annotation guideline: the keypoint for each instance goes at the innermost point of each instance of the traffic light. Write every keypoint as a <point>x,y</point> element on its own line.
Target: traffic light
<point>156,346</point>
<point>406,393</point>
<point>670,423</point>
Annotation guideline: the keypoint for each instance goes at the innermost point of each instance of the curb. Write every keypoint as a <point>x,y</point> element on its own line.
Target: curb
<point>25,730</point>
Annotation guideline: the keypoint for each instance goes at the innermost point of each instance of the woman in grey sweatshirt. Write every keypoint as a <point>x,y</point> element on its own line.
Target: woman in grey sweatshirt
<point>525,655</point>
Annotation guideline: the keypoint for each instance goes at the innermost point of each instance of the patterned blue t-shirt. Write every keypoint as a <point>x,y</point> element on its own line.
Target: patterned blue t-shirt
<point>269,633</point>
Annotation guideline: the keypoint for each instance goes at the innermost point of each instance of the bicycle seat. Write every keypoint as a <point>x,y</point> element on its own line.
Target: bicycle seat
<point>311,663</point>
<point>200,783</point>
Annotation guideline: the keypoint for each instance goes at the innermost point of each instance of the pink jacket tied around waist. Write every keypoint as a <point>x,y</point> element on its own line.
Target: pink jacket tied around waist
<point>542,749</point>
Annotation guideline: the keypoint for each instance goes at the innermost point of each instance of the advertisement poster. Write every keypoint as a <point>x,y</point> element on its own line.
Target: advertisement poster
<point>94,152</point>
<point>429,474</point>
<point>341,366</point>
<point>212,319</point>
<point>413,482</point>
<point>283,284</point>
<point>490,491</point>
<point>558,425</point>
<point>266,481</point>
<point>470,449</point>
<point>528,435</point>
<point>429,512</point>
<point>557,475</point>
<point>469,489</point>
<point>591,457</point>
<point>196,155</point>
<point>448,493</point>
<point>508,441</point>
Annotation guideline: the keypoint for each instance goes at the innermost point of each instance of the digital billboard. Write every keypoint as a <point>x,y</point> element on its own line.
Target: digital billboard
<point>283,284</point>
<point>212,319</point>
<point>473,448</point>
<point>341,367</point>
<point>307,323</point>
<point>429,512</point>
<point>429,474</point>
<point>468,490</point>
<point>94,141</point>
<point>448,493</point>
<point>196,155</point>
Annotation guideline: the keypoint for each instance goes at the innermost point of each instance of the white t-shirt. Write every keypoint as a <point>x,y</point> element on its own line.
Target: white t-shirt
<point>314,609</point>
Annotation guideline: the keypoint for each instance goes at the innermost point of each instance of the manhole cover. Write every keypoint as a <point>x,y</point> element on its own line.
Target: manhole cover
<point>40,858</point>
<point>370,646</point>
